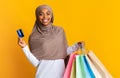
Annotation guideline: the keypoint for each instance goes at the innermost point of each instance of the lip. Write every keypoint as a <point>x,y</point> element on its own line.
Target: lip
<point>45,20</point>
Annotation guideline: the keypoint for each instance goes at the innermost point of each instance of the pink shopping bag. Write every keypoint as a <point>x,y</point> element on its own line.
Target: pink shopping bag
<point>69,66</point>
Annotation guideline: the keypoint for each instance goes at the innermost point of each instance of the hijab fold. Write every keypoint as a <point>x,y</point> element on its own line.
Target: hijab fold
<point>47,42</point>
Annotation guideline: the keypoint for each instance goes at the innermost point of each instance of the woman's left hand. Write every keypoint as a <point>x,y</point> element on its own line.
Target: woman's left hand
<point>81,44</point>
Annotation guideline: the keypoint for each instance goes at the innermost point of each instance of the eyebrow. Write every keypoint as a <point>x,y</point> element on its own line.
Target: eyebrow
<point>42,12</point>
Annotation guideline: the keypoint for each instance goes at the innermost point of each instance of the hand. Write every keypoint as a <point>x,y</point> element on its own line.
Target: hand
<point>81,44</point>
<point>21,42</point>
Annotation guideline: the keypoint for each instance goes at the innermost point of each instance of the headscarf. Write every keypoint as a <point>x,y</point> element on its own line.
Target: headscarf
<point>47,42</point>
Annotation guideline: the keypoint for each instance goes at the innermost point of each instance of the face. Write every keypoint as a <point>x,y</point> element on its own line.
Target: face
<point>45,17</point>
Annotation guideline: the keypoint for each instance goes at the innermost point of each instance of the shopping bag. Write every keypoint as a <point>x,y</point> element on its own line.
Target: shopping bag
<point>80,73</point>
<point>97,64</point>
<point>83,69</point>
<point>73,70</point>
<point>94,69</point>
<point>69,66</point>
<point>88,71</point>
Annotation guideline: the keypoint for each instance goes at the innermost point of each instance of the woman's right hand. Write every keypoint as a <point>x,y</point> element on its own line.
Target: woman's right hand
<point>21,42</point>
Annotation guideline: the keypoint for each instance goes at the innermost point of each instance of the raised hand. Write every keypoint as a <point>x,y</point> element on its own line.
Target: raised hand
<point>21,42</point>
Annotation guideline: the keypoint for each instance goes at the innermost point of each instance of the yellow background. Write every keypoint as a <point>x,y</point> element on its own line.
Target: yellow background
<point>97,22</point>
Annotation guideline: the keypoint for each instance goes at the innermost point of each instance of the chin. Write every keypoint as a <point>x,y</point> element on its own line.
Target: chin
<point>45,24</point>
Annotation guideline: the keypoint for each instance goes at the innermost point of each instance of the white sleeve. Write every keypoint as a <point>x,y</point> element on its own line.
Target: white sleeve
<point>72,48</point>
<point>30,56</point>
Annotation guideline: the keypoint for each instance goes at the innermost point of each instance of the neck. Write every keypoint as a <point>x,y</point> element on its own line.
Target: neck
<point>44,28</point>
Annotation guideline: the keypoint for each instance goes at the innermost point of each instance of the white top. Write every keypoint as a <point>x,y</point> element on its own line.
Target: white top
<point>48,68</point>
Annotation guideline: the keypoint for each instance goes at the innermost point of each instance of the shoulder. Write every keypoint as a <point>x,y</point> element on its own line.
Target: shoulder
<point>58,28</point>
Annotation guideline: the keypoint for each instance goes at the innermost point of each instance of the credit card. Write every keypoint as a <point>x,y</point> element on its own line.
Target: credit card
<point>20,33</point>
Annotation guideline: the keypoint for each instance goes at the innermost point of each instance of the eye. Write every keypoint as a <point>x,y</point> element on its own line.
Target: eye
<point>41,14</point>
<point>48,13</point>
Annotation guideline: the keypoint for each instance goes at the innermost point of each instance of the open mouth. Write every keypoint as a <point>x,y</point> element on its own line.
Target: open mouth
<point>45,20</point>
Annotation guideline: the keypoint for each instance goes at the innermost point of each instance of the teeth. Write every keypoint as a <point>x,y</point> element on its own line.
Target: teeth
<point>45,20</point>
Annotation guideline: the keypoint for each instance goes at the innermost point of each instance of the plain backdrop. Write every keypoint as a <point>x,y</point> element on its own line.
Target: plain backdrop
<point>97,22</point>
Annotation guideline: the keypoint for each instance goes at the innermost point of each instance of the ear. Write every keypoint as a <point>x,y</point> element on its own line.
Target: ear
<point>52,19</point>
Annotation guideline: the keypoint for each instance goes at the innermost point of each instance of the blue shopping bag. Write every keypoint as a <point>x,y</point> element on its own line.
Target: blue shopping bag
<point>88,71</point>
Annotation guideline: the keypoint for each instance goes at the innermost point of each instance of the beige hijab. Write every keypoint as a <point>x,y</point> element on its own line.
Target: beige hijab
<point>47,42</point>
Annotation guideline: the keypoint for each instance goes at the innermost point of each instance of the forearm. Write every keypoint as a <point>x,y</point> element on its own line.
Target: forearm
<point>30,56</point>
<point>72,48</point>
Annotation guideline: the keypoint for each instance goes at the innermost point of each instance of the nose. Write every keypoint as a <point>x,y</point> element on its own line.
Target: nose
<point>44,16</point>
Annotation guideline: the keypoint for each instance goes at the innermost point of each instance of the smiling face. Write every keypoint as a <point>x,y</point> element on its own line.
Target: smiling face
<point>45,17</point>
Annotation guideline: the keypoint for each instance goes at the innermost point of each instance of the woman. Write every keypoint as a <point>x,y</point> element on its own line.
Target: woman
<point>48,45</point>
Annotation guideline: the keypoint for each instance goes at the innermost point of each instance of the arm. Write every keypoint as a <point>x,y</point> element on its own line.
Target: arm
<point>27,52</point>
<point>72,48</point>
<point>34,61</point>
